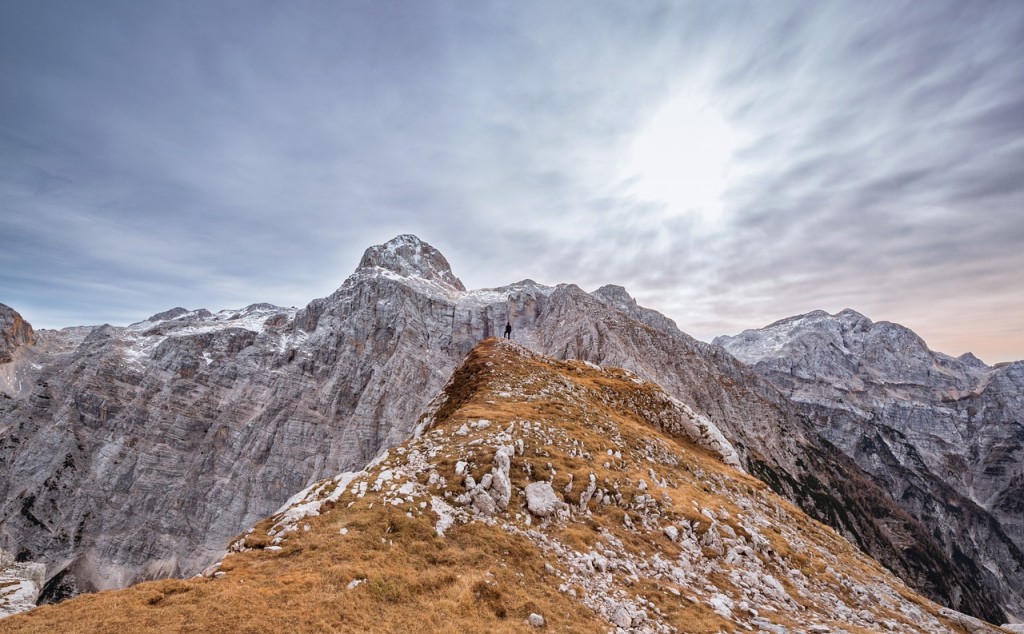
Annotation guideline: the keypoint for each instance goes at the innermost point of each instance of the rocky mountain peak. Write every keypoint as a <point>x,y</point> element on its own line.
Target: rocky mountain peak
<point>14,332</point>
<point>618,298</point>
<point>408,256</point>
<point>614,295</point>
<point>169,314</point>
<point>852,318</point>
<point>969,359</point>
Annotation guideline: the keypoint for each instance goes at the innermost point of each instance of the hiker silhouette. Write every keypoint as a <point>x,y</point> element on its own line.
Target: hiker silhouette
<point>508,330</point>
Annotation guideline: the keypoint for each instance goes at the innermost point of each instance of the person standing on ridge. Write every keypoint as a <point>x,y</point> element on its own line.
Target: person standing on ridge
<point>508,330</point>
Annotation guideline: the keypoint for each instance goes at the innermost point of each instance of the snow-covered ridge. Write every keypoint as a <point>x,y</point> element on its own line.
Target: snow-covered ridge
<point>753,345</point>
<point>182,321</point>
<point>141,339</point>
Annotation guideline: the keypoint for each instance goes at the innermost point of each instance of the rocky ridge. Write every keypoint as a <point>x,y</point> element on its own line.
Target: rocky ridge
<point>136,453</point>
<point>943,436</point>
<point>534,494</point>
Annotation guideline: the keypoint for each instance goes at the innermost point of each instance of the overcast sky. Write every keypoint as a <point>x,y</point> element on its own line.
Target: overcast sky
<point>730,164</point>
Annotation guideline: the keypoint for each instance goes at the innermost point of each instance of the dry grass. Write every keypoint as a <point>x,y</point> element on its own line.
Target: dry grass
<point>479,577</point>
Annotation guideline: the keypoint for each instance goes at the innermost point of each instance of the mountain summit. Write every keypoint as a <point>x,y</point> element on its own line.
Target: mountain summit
<point>409,256</point>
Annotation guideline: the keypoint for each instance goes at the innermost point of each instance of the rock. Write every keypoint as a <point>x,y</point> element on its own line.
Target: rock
<point>622,616</point>
<point>501,485</point>
<point>20,584</point>
<point>541,499</point>
<point>14,333</point>
<point>484,503</point>
<point>969,623</point>
<point>535,620</point>
<point>722,605</point>
<point>588,493</point>
<point>671,532</point>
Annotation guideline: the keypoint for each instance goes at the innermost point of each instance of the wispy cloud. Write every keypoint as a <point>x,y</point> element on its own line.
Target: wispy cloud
<point>223,153</point>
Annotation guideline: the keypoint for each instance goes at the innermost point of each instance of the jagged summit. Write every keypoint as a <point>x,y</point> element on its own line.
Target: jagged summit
<point>537,494</point>
<point>617,297</point>
<point>408,256</point>
<point>169,314</point>
<point>848,342</point>
<point>614,294</point>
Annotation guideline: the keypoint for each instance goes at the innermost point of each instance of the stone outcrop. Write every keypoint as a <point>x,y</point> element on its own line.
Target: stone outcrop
<point>20,584</point>
<point>139,452</point>
<point>14,333</point>
<point>943,436</point>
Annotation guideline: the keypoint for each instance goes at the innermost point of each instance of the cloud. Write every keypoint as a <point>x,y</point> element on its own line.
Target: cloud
<point>225,153</point>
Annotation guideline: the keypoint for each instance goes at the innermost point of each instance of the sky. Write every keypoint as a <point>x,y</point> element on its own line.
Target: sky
<point>729,163</point>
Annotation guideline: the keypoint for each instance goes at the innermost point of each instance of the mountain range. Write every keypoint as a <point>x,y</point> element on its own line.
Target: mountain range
<point>140,452</point>
<point>588,499</point>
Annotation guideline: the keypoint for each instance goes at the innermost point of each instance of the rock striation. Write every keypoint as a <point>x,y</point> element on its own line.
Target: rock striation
<point>14,333</point>
<point>611,522</point>
<point>136,453</point>
<point>943,436</point>
<point>20,584</point>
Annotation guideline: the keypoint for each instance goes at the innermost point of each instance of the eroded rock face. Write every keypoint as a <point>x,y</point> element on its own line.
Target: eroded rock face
<point>943,436</point>
<point>21,582</point>
<point>140,452</point>
<point>14,333</point>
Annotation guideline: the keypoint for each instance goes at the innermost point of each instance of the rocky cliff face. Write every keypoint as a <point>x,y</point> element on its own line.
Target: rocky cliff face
<point>137,452</point>
<point>943,436</point>
<point>20,584</point>
<point>14,333</point>
<point>535,494</point>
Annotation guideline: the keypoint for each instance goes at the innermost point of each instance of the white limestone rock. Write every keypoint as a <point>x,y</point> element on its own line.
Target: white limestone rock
<point>20,584</point>
<point>541,499</point>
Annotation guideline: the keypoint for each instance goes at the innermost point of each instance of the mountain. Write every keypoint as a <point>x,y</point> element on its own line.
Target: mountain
<point>137,453</point>
<point>535,493</point>
<point>943,436</point>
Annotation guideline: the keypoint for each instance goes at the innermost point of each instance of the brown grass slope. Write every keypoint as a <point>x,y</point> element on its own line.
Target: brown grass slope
<point>650,533</point>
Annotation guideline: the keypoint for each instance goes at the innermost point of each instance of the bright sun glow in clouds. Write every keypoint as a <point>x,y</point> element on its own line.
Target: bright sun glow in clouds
<point>681,157</point>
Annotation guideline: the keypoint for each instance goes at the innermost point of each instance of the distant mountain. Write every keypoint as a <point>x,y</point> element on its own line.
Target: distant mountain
<point>137,453</point>
<point>534,494</point>
<point>943,436</point>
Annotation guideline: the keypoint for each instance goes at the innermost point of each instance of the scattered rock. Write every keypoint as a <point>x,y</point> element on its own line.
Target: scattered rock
<point>541,499</point>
